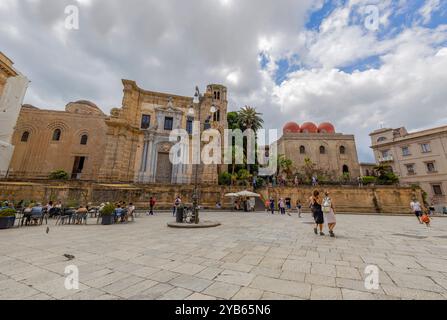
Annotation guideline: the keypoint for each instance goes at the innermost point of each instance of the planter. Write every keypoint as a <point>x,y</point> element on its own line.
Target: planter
<point>7,222</point>
<point>107,220</point>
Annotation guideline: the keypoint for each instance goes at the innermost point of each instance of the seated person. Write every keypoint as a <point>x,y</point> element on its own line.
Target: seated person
<point>37,212</point>
<point>27,214</point>
<point>118,213</point>
<point>81,214</point>
<point>130,212</point>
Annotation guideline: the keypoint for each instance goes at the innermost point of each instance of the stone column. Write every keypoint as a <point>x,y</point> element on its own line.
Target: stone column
<point>10,105</point>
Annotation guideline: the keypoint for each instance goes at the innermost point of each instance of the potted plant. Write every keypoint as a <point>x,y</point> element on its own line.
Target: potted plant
<point>7,218</point>
<point>108,214</point>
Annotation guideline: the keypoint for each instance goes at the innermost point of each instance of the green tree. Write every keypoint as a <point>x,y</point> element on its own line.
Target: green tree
<point>249,118</point>
<point>285,165</point>
<point>386,175</point>
<point>233,120</point>
<point>309,168</point>
<point>225,179</point>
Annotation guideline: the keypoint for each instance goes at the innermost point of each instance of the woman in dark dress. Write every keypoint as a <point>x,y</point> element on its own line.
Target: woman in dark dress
<point>317,210</point>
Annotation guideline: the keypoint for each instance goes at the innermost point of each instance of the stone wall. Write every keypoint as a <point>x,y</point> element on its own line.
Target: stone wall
<point>350,199</point>
<point>387,200</point>
<point>95,193</point>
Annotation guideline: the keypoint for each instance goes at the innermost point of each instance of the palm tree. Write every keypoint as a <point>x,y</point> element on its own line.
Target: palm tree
<point>249,118</point>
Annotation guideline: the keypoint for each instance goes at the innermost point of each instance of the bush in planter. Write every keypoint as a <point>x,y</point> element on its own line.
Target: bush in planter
<point>7,213</point>
<point>7,218</point>
<point>107,214</point>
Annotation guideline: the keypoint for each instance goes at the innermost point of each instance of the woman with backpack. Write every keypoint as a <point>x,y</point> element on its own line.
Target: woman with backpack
<point>316,207</point>
<point>329,213</point>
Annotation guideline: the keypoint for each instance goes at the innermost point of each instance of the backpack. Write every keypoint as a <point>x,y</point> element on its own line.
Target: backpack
<point>425,219</point>
<point>327,205</point>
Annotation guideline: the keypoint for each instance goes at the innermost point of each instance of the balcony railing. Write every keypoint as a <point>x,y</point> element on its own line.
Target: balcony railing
<point>386,159</point>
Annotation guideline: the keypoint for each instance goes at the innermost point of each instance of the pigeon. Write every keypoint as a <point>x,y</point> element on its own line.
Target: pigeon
<point>69,256</point>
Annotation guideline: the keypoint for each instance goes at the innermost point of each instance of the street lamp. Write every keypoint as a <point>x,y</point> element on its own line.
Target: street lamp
<point>195,197</point>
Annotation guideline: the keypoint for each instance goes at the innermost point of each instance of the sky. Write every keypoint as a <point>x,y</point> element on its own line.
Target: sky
<point>360,64</point>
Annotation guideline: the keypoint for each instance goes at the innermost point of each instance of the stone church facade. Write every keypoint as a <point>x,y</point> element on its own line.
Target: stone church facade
<point>129,145</point>
<point>332,152</point>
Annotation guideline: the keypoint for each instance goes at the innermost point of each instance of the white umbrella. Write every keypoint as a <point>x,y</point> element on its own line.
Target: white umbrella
<point>246,193</point>
<point>232,195</point>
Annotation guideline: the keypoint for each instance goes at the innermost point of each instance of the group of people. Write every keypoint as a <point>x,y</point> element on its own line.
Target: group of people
<point>284,206</point>
<point>122,211</point>
<point>246,204</point>
<point>322,208</point>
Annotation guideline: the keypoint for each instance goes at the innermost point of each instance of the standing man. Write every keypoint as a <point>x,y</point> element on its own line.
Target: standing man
<point>177,202</point>
<point>416,207</point>
<point>272,205</point>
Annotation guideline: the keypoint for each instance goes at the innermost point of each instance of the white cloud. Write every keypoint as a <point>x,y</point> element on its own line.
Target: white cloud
<point>174,45</point>
<point>427,10</point>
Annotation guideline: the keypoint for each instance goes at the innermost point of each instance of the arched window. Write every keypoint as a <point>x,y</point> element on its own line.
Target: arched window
<point>25,136</point>
<point>381,139</point>
<point>84,139</point>
<point>216,116</point>
<point>302,150</point>
<point>57,135</point>
<point>342,150</point>
<point>322,150</point>
<point>345,169</point>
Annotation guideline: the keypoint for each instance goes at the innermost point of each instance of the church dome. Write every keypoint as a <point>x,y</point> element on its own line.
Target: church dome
<point>309,127</point>
<point>291,127</point>
<point>326,127</point>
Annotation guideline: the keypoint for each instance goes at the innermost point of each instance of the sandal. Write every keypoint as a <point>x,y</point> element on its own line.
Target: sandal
<point>316,231</point>
<point>332,234</point>
<point>322,234</point>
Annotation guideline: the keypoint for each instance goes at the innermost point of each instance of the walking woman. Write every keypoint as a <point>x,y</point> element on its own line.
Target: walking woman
<point>282,206</point>
<point>298,207</point>
<point>329,213</point>
<point>316,202</point>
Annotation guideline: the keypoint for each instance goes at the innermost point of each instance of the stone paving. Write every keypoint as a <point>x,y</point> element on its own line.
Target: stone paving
<point>251,256</point>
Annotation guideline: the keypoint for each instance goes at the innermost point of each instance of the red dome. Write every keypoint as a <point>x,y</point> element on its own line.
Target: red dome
<point>326,127</point>
<point>291,127</point>
<point>309,127</point>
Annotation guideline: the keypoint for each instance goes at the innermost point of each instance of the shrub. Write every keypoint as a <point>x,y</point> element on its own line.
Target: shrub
<point>108,210</point>
<point>225,179</point>
<point>260,182</point>
<point>58,175</point>
<point>243,174</point>
<point>7,213</point>
<point>388,179</point>
<point>369,180</point>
